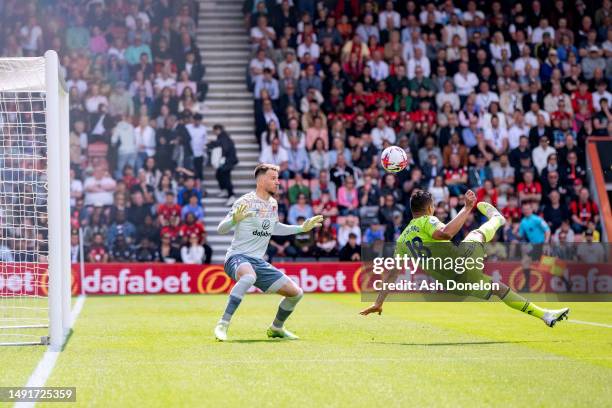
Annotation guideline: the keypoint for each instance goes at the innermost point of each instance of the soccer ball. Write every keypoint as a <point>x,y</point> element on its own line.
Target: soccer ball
<point>394,159</point>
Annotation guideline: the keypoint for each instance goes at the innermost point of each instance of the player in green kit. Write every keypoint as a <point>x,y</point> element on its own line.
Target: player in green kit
<point>425,236</point>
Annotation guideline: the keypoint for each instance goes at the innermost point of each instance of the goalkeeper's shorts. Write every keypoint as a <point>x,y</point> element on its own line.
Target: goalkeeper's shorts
<point>269,279</point>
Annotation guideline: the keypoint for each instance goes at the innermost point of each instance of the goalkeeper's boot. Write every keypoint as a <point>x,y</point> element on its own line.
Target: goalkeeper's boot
<point>551,317</point>
<point>489,211</point>
<point>281,333</point>
<point>221,330</point>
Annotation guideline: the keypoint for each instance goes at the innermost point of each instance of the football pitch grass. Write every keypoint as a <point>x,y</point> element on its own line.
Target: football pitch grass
<point>158,351</point>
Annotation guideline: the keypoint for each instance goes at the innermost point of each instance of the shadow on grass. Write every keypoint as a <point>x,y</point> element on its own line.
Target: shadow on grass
<point>257,341</point>
<point>67,340</point>
<point>468,343</point>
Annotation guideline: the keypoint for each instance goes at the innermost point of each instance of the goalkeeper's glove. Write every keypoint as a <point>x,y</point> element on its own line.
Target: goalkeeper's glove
<point>312,223</point>
<point>240,214</point>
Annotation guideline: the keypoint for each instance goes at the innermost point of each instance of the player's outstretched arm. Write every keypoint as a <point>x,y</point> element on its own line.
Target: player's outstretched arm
<point>308,225</point>
<point>236,215</point>
<point>452,228</point>
<point>382,295</point>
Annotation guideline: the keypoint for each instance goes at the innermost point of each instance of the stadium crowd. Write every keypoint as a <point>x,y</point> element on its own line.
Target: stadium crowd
<point>136,84</point>
<point>498,97</point>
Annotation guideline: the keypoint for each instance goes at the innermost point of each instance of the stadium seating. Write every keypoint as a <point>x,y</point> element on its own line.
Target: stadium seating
<point>360,75</point>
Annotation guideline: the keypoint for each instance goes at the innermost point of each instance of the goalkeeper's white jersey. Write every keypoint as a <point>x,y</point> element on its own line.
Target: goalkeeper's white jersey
<point>252,235</point>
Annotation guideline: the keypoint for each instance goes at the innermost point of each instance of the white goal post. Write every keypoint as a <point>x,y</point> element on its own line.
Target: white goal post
<point>35,269</point>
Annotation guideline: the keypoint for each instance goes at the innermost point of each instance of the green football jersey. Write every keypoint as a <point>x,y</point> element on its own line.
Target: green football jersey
<point>417,241</point>
<point>418,231</point>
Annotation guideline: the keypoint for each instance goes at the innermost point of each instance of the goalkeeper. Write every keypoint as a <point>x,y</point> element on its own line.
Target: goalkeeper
<point>254,219</point>
<point>426,235</point>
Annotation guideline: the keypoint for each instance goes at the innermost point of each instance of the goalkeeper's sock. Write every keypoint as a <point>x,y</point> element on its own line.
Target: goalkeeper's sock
<point>516,301</point>
<point>236,295</point>
<point>285,308</point>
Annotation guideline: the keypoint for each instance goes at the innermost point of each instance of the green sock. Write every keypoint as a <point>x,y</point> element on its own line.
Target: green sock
<point>489,228</point>
<point>516,301</point>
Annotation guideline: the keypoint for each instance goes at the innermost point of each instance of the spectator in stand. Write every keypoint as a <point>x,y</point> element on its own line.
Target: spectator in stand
<point>99,188</point>
<point>590,251</point>
<point>198,139</point>
<point>555,213</point>
<point>191,226</point>
<point>300,209</point>
<point>348,202</point>
<point>268,83</point>
<point>584,211</point>
<point>281,245</point>
<point>465,81</point>
<point>456,176</point>
<point>189,188</point>
<point>124,140</point>
<point>304,242</point>
<point>300,186</point>
<point>573,171</point>
<point>194,208</point>
<point>530,190</point>
<point>298,161</point>
<point>98,252</point>
<point>227,161</point>
<point>325,240</point>
<point>122,227</point>
<point>351,250</point>
<point>541,153</point>
<point>144,136</point>
<point>479,173</point>
<point>138,210</point>
<point>193,251</point>
<point>168,209</point>
<point>347,227</point>
<point>147,251</point>
<point>169,253</point>
<point>76,188</point>
<point>121,250</point>
<point>277,155</point>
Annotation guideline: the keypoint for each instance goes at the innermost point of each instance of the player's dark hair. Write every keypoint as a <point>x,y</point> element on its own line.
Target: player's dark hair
<point>420,201</point>
<point>262,168</point>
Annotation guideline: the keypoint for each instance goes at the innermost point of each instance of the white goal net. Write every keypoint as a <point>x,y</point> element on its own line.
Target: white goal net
<point>34,215</point>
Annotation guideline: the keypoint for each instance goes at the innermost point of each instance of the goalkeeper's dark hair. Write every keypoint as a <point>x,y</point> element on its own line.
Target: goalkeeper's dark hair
<point>420,200</point>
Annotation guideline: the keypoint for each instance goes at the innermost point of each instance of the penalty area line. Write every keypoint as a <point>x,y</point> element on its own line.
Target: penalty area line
<point>44,368</point>
<point>609,326</point>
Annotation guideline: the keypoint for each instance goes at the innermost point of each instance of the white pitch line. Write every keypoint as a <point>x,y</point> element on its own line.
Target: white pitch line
<point>44,368</point>
<point>609,326</point>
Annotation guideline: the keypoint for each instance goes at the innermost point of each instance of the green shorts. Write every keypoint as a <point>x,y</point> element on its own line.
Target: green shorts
<point>468,258</point>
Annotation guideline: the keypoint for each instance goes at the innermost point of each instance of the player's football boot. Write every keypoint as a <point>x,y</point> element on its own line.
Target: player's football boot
<point>551,317</point>
<point>489,211</point>
<point>221,330</point>
<point>281,333</point>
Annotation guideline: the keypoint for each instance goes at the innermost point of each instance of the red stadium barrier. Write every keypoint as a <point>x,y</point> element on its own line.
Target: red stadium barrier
<point>320,277</point>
